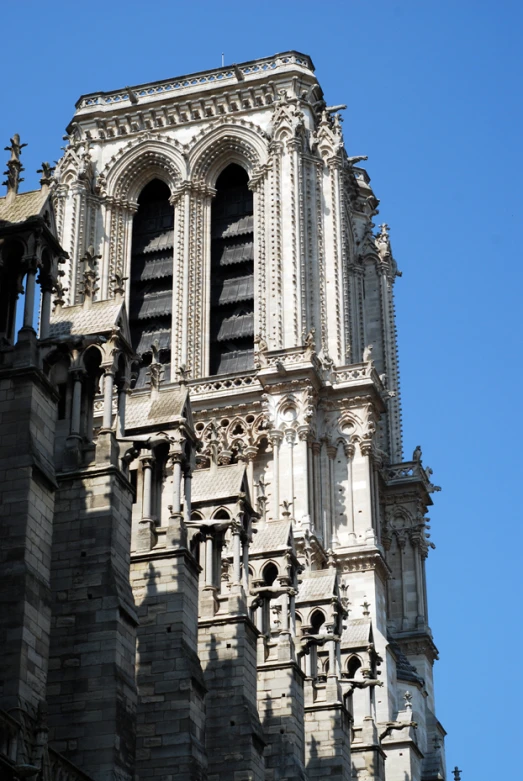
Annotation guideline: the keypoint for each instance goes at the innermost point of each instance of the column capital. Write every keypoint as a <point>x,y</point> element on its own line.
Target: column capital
<point>349,449</point>
<point>275,436</point>
<point>250,452</point>
<point>304,433</point>
<point>77,373</point>
<point>290,436</point>
<point>331,451</point>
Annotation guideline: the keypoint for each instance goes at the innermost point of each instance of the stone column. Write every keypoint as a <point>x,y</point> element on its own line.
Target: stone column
<point>290,437</point>
<point>275,438</point>
<point>105,274</point>
<point>415,539</point>
<point>349,451</point>
<point>146,536</point>
<point>107,422</point>
<point>318,526</point>
<point>251,452</point>
<point>209,557</point>
<point>305,489</point>
<point>45,309</point>
<point>76,408</point>
<point>402,542</point>
<point>366,452</point>
<point>245,564</point>
<point>325,494</point>
<point>187,485</point>
<point>122,402</point>
<point>236,552</point>
<point>29,303</point>
<point>177,531</point>
<point>333,535</point>
<point>177,478</point>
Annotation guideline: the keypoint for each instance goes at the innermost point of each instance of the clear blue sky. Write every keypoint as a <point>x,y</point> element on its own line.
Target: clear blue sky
<point>434,99</point>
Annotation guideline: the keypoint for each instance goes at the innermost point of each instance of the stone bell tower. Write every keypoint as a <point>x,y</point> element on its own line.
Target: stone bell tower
<point>237,572</point>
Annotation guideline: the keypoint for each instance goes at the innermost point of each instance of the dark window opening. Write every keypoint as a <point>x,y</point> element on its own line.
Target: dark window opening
<point>232,274</point>
<point>353,666</point>
<point>133,479</point>
<point>270,573</point>
<point>317,621</point>
<point>152,279</point>
<point>62,400</point>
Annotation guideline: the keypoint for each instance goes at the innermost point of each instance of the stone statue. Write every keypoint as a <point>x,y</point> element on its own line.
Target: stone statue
<point>367,353</point>
<point>383,242</point>
<point>90,274</point>
<point>416,456</point>
<point>309,342</point>
<point>357,159</point>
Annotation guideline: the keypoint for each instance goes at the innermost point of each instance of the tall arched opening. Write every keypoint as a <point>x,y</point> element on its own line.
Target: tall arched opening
<point>232,274</point>
<point>152,278</point>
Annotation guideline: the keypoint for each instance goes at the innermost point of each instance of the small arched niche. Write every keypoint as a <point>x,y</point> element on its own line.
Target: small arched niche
<point>317,620</point>
<point>232,274</point>
<point>269,573</point>
<point>152,278</point>
<point>11,307</point>
<point>353,667</point>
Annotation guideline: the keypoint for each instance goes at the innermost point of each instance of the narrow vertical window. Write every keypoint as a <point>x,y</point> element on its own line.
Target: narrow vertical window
<point>232,274</point>
<point>152,278</point>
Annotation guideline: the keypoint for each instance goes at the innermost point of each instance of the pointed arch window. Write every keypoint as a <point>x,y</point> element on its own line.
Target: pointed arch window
<point>152,278</point>
<point>232,274</point>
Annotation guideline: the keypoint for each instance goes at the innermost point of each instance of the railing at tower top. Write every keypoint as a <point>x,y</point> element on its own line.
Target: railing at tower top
<point>409,471</point>
<point>203,78</point>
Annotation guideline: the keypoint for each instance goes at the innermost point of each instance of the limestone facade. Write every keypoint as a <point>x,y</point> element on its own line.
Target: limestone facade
<point>213,558</point>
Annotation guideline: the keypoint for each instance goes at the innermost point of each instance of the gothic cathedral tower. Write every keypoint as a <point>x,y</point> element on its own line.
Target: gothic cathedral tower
<point>234,571</point>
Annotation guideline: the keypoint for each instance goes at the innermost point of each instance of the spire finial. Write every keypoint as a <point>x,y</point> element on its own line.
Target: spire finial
<point>155,371</point>
<point>47,173</point>
<point>14,166</point>
<point>457,774</point>
<point>90,275</point>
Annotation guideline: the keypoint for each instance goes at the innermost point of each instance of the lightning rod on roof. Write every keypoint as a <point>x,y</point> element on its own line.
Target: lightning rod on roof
<point>223,59</point>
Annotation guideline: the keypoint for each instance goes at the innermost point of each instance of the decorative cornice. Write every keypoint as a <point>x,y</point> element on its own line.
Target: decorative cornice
<point>363,561</point>
<point>418,645</point>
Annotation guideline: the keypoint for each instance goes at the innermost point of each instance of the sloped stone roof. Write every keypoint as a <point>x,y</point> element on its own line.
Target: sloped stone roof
<point>318,584</point>
<point>273,537</point>
<point>22,206</point>
<point>78,320</point>
<point>144,411</point>
<point>223,482</point>
<point>433,767</point>
<point>405,671</point>
<point>356,634</point>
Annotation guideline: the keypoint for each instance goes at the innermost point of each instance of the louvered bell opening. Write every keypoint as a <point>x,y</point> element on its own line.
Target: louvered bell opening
<point>151,277</point>
<point>236,327</point>
<point>157,266</point>
<point>236,289</point>
<point>236,253</point>
<point>151,303</point>
<point>236,361</point>
<point>159,338</point>
<point>141,379</point>
<point>232,274</point>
